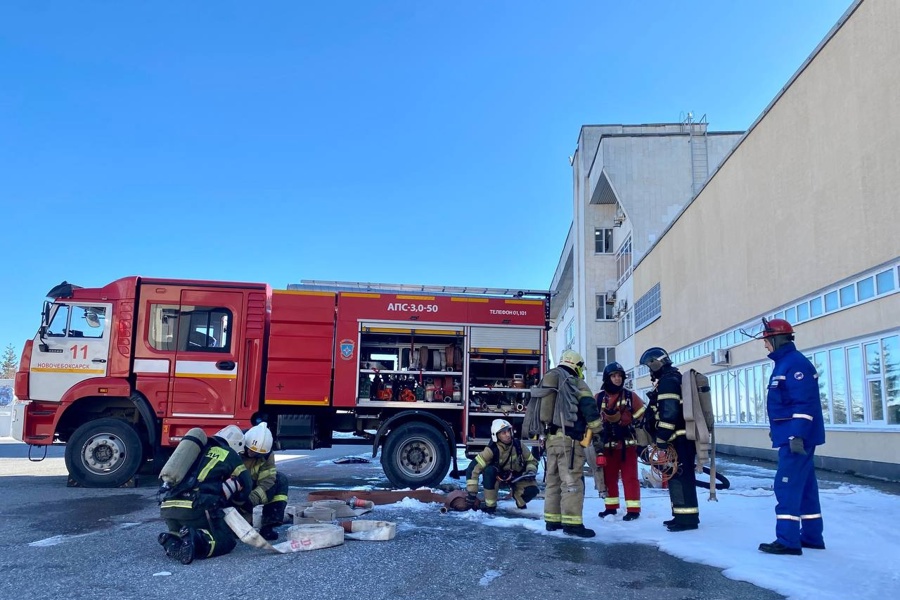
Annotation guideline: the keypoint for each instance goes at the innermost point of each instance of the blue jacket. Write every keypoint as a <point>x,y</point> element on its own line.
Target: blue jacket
<point>793,403</point>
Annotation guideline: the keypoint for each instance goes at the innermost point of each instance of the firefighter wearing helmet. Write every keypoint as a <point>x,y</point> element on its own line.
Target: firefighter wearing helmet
<point>622,411</point>
<point>502,462</point>
<point>269,488</point>
<point>574,414</point>
<point>669,429</point>
<point>796,427</point>
<point>192,507</point>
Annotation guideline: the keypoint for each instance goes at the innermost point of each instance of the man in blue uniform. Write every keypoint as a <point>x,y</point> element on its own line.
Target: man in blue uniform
<point>796,427</point>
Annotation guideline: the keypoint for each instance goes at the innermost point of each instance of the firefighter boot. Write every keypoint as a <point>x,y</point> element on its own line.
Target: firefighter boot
<point>680,526</point>
<point>631,516</point>
<point>170,542</point>
<point>552,526</point>
<point>578,531</point>
<point>607,513</point>
<point>187,551</point>
<point>268,533</point>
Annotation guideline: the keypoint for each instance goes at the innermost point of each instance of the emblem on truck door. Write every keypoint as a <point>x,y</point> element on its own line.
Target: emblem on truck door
<point>347,349</point>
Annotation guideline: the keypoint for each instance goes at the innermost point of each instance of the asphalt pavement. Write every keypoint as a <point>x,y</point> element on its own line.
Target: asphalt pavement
<point>87,543</point>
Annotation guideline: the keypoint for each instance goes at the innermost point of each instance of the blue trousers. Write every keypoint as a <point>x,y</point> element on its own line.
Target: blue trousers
<point>798,513</point>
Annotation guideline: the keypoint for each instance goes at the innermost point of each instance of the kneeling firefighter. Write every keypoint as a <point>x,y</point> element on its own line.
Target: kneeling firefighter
<point>502,461</point>
<point>199,480</point>
<point>269,488</point>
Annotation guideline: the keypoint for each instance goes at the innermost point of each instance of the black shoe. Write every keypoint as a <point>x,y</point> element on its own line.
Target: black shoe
<point>669,522</point>
<point>521,506</point>
<point>553,526</point>
<point>170,541</point>
<point>185,552</point>
<point>777,547</point>
<point>607,513</point>
<point>631,516</point>
<point>682,526</point>
<point>489,510</point>
<point>813,546</point>
<point>268,533</point>
<point>578,531</point>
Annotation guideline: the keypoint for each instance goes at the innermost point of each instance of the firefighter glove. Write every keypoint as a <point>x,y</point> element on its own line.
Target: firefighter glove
<point>257,497</point>
<point>471,500</point>
<point>797,446</point>
<point>230,487</point>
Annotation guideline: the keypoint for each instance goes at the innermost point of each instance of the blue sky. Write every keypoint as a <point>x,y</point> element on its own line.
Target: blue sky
<point>393,141</point>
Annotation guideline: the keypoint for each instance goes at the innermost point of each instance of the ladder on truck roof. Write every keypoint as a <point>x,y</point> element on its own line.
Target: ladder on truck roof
<point>360,286</point>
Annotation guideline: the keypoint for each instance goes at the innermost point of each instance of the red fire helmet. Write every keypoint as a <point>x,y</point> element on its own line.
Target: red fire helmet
<point>776,327</point>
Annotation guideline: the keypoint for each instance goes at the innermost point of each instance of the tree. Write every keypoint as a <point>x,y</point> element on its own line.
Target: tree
<point>10,363</point>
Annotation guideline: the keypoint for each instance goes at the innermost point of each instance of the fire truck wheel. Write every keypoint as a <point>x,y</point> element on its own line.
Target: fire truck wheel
<point>415,455</point>
<point>103,453</point>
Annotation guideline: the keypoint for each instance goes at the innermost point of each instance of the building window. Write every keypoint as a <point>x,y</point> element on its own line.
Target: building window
<point>603,241</point>
<point>570,335</point>
<point>884,282</point>
<point>605,307</point>
<point>623,261</point>
<point>626,326</point>
<point>605,355</point>
<point>647,309</point>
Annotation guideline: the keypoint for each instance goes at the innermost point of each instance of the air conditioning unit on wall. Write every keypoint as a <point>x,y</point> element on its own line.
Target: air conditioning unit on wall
<point>719,357</point>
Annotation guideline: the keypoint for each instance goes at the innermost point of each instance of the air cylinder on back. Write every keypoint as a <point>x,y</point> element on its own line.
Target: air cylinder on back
<point>185,454</point>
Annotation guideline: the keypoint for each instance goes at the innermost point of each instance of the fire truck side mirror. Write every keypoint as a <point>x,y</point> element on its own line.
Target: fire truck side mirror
<point>45,320</point>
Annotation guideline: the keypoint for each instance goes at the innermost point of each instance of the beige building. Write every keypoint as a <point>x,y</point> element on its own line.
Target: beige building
<point>630,182</point>
<point>800,222</point>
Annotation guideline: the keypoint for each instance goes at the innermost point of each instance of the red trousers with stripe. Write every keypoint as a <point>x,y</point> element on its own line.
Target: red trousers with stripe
<point>627,466</point>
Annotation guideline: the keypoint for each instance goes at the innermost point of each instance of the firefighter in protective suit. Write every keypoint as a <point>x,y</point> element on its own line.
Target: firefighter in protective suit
<point>796,427</point>
<point>192,509</point>
<point>503,460</point>
<point>622,410</point>
<point>269,488</point>
<point>669,429</point>
<point>564,494</point>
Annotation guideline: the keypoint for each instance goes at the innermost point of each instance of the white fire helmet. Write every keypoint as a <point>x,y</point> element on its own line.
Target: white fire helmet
<point>573,360</point>
<point>259,439</point>
<point>497,426</point>
<point>234,436</point>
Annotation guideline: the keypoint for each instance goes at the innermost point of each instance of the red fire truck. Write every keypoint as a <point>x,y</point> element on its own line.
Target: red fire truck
<point>120,373</point>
